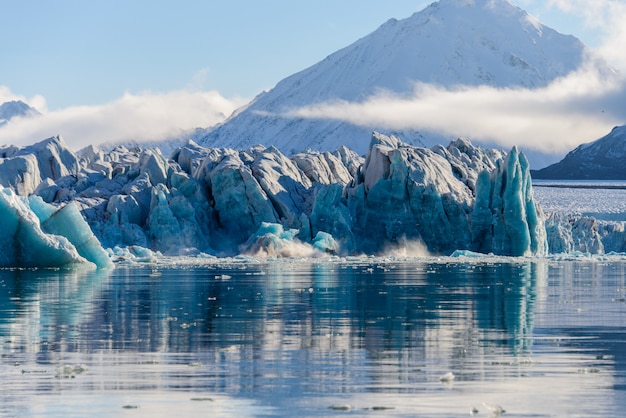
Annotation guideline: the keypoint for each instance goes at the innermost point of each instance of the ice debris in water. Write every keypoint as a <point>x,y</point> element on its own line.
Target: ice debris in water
<point>133,254</point>
<point>340,407</point>
<point>447,378</point>
<point>496,410</point>
<point>70,371</point>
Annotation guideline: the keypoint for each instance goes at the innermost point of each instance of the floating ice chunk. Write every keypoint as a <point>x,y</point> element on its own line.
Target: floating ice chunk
<point>133,254</point>
<point>467,254</point>
<point>447,378</point>
<point>70,371</point>
<point>496,410</point>
<point>341,407</point>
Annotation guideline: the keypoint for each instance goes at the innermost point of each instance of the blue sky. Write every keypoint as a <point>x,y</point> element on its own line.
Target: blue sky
<point>76,52</point>
<point>143,70</point>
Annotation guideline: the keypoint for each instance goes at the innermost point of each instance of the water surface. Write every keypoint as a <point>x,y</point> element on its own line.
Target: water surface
<point>363,337</point>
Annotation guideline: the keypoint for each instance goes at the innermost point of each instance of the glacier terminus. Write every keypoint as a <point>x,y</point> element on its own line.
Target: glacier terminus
<point>225,202</point>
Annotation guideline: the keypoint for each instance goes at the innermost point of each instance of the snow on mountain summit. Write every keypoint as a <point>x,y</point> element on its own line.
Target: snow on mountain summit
<point>449,43</point>
<point>15,108</point>
<point>474,42</point>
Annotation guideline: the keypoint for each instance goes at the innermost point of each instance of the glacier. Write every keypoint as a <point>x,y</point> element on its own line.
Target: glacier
<point>224,202</point>
<point>93,207</point>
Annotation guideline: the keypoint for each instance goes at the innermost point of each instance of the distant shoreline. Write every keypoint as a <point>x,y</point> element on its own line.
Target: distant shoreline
<point>582,186</point>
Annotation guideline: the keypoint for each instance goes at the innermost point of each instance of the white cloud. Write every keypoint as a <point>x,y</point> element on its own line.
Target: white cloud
<point>578,108</point>
<point>143,117</point>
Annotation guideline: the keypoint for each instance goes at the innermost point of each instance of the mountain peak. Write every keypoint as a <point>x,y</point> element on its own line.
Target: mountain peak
<point>503,13</point>
<point>15,108</point>
<point>501,5</point>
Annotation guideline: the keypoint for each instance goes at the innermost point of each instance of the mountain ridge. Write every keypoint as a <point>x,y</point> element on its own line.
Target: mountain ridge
<point>602,159</point>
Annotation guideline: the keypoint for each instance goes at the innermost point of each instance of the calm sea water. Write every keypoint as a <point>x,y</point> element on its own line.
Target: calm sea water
<point>434,338</point>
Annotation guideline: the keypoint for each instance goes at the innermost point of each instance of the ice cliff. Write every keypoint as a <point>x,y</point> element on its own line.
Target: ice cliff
<point>225,202</point>
<point>505,219</point>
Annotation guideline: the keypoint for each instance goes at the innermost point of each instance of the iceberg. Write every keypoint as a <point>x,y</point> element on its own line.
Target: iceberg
<point>28,242</point>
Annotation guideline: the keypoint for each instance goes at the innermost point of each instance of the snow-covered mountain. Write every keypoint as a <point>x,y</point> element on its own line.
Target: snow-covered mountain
<point>15,108</point>
<point>602,159</point>
<point>450,43</point>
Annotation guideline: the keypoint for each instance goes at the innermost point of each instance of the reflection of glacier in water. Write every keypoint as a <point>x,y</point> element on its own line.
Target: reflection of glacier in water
<point>252,338</point>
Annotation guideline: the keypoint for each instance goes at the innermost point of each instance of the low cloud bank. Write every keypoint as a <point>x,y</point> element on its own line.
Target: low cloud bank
<point>578,108</point>
<point>143,117</point>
